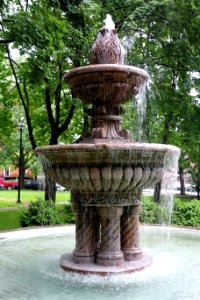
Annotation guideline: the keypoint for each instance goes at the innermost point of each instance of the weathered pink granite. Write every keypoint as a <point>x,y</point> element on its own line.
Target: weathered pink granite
<point>106,173</point>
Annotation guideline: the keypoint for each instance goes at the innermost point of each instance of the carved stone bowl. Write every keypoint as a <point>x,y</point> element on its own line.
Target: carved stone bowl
<point>107,83</point>
<point>107,168</point>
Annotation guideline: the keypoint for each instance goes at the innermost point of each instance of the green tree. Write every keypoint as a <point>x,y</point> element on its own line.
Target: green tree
<point>50,41</point>
<point>10,154</point>
<point>164,44</point>
<point>6,100</point>
<point>160,36</point>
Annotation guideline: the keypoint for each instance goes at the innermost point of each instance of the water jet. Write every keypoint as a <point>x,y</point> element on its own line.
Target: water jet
<point>107,171</point>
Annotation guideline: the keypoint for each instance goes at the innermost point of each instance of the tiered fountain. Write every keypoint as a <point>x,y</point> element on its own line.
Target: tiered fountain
<point>107,171</point>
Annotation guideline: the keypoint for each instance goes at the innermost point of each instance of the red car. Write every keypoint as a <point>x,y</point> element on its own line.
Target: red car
<point>8,185</point>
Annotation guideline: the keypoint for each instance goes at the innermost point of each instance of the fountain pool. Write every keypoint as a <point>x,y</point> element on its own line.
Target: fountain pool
<point>30,269</point>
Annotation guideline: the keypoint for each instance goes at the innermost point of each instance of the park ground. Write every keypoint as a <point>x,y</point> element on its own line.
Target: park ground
<point>10,210</point>
<point>186,209</point>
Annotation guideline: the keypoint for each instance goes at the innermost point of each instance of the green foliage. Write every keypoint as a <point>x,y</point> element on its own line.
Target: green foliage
<point>11,218</point>
<point>186,213</point>
<point>51,38</point>
<point>69,215</point>
<point>10,151</point>
<point>55,36</point>
<point>6,100</point>
<point>40,213</point>
<point>152,213</point>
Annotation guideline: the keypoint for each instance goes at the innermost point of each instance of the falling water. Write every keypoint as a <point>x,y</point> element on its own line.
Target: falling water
<point>140,105</point>
<point>168,186</point>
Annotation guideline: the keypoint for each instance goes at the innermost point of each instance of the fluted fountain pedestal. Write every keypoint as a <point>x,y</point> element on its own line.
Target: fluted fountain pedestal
<point>107,239</point>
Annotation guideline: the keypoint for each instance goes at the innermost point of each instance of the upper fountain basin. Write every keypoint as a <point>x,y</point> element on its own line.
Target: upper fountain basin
<point>110,83</point>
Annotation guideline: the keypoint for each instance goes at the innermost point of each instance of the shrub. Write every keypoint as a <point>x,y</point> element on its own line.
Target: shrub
<point>40,213</point>
<point>66,214</point>
<point>186,213</point>
<point>153,213</point>
<point>70,218</point>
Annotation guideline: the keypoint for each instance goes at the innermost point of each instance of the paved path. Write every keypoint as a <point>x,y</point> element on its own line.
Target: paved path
<point>13,207</point>
<point>21,206</point>
<point>7,199</point>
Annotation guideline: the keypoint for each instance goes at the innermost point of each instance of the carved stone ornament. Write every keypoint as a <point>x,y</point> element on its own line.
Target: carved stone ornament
<point>105,199</point>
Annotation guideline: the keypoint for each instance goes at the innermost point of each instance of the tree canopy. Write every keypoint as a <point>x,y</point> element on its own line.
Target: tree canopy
<point>55,36</point>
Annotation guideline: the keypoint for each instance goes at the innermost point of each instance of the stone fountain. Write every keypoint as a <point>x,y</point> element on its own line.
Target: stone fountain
<point>107,171</point>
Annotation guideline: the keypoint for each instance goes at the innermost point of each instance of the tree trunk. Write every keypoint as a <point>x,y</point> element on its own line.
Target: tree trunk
<point>157,192</point>
<point>50,187</point>
<point>182,183</point>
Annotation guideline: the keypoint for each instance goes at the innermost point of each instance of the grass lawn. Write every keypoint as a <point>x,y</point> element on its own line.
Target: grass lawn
<point>10,219</point>
<point>9,198</point>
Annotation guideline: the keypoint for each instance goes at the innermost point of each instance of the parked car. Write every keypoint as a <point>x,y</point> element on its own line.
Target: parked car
<point>191,189</point>
<point>8,185</point>
<point>35,184</point>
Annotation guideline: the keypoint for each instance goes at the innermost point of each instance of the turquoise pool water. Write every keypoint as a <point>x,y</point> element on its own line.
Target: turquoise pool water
<point>29,268</point>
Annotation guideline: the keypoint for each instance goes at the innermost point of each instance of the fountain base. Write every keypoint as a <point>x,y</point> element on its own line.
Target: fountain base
<point>67,264</point>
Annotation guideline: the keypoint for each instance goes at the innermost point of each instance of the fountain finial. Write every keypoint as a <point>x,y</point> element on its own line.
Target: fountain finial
<point>109,24</point>
<point>107,49</point>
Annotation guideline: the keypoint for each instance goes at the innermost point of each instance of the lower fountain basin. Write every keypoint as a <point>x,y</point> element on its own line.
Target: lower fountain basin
<point>107,168</point>
<point>29,261</point>
<point>106,182</point>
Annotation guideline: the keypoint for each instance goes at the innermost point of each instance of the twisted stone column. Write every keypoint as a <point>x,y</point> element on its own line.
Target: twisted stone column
<point>85,234</point>
<point>130,233</point>
<point>109,253</point>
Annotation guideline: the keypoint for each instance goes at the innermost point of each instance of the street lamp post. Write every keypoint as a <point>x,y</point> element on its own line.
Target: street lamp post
<point>20,125</point>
